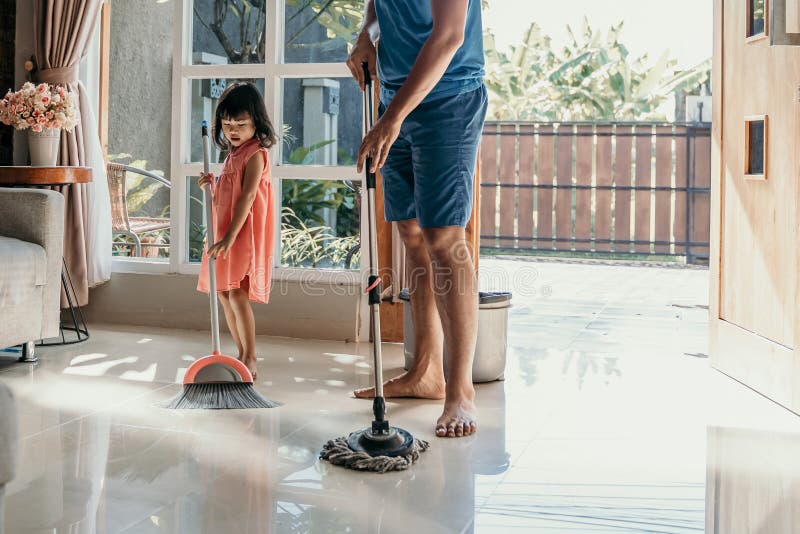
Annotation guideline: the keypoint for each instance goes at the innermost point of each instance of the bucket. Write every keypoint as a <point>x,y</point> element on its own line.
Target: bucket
<point>489,363</point>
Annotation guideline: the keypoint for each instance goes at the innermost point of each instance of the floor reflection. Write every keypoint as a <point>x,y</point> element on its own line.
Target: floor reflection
<point>753,483</point>
<point>154,470</point>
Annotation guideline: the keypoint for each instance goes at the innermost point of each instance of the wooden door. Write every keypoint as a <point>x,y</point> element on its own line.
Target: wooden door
<point>754,257</point>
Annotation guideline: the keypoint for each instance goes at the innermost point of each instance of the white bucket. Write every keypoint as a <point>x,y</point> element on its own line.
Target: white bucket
<point>489,363</point>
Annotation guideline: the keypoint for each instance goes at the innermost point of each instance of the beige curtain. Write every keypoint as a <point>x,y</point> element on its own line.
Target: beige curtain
<point>62,30</point>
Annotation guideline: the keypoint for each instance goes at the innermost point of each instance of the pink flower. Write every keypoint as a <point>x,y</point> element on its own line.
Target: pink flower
<point>37,128</point>
<point>56,125</point>
<point>50,115</point>
<point>30,120</point>
<point>41,120</point>
<point>45,100</point>
<point>41,88</point>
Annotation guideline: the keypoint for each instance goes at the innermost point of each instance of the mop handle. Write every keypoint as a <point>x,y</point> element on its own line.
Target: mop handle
<point>374,286</point>
<point>212,268</point>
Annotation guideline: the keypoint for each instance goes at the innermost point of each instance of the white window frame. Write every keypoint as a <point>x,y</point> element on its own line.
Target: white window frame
<point>273,72</point>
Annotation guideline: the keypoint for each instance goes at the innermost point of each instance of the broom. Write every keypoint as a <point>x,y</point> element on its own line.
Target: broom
<point>216,381</point>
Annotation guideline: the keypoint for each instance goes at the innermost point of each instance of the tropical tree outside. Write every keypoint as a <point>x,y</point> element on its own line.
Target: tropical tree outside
<point>592,78</point>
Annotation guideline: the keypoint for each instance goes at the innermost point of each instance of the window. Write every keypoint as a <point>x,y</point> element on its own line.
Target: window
<point>755,166</point>
<point>139,124</point>
<point>294,51</point>
<point>757,19</point>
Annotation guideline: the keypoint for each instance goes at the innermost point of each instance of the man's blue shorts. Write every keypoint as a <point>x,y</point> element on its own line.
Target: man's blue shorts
<point>430,169</point>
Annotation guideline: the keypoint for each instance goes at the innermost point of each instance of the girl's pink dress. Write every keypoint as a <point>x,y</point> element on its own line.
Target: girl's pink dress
<point>250,259</point>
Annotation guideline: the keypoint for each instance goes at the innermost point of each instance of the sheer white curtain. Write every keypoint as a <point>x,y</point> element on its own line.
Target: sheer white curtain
<point>98,238</point>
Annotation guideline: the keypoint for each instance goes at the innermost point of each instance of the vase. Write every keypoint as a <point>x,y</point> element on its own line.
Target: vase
<point>43,147</point>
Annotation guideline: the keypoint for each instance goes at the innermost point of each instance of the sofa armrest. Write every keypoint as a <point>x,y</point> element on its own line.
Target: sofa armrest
<point>37,216</point>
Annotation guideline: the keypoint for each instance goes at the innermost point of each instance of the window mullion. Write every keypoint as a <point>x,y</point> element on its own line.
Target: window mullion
<point>177,252</point>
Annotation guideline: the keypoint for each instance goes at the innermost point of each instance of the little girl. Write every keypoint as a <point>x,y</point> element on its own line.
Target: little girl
<point>244,226</point>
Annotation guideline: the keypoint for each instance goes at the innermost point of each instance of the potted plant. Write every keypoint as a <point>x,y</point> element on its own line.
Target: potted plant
<point>44,110</point>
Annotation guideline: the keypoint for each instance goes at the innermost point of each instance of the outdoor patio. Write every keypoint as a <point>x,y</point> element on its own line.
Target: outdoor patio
<point>601,424</point>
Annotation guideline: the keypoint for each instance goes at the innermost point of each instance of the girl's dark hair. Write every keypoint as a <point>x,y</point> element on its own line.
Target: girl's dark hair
<point>237,99</point>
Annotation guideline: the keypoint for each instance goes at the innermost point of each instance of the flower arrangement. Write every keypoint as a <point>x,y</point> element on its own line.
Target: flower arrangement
<point>40,107</point>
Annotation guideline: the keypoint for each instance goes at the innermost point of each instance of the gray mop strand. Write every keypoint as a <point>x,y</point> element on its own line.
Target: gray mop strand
<point>337,452</point>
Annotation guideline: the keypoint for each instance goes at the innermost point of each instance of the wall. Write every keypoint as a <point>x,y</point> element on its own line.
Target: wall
<point>302,310</point>
<point>23,52</point>
<point>140,81</point>
<point>8,9</point>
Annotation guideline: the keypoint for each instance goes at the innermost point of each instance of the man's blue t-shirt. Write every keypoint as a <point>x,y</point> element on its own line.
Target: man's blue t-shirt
<point>405,25</point>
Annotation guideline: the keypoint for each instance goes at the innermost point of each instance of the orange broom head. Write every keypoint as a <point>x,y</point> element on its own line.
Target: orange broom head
<point>217,368</point>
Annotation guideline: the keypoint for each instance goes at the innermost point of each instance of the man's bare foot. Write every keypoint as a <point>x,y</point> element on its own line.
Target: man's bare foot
<point>428,386</point>
<point>458,419</point>
<point>250,362</point>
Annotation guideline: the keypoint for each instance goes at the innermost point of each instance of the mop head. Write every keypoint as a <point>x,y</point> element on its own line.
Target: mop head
<point>220,396</point>
<point>338,452</point>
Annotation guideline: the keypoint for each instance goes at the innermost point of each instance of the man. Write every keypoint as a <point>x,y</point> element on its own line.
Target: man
<point>433,103</point>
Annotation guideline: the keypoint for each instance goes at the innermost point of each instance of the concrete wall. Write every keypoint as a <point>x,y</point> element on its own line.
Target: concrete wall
<point>302,310</point>
<point>140,81</point>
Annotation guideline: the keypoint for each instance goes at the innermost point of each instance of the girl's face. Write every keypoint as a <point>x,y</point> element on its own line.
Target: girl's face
<point>238,129</point>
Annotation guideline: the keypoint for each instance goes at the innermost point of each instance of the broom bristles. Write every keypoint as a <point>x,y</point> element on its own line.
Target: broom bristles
<point>338,452</point>
<point>220,396</point>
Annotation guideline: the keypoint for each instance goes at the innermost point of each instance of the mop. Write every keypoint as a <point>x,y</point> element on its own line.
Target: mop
<point>216,381</point>
<point>379,447</point>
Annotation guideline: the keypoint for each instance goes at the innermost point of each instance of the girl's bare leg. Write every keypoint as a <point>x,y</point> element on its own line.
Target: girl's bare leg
<point>230,318</point>
<point>240,303</point>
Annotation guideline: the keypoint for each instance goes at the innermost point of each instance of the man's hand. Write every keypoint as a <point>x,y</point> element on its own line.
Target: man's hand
<point>378,142</point>
<point>363,52</point>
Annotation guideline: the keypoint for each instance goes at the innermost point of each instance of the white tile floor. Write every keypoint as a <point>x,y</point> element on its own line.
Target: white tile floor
<point>600,426</point>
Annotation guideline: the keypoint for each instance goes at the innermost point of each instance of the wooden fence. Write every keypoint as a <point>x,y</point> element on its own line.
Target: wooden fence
<point>622,188</point>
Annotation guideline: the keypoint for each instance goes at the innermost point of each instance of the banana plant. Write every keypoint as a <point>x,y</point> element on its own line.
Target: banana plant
<point>593,77</point>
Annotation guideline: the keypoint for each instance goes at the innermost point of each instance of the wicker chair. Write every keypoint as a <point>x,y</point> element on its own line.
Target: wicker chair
<point>121,223</point>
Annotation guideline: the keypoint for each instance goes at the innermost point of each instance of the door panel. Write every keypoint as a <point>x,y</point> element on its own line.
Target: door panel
<point>754,256</point>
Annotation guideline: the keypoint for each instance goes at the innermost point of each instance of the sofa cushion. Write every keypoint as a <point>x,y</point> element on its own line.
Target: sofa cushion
<point>21,263</point>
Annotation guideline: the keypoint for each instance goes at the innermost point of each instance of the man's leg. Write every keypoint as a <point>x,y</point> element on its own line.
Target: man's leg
<point>425,379</point>
<point>456,291</point>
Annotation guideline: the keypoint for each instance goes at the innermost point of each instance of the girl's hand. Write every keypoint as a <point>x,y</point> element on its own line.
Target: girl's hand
<point>205,179</point>
<point>223,246</point>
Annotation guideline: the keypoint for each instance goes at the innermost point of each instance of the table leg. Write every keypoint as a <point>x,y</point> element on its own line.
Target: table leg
<point>76,323</point>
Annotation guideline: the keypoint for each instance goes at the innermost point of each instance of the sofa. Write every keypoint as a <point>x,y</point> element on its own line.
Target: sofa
<point>8,444</point>
<point>31,246</point>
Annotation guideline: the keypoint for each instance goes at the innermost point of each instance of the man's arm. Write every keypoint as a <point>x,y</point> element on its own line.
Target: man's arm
<point>447,35</point>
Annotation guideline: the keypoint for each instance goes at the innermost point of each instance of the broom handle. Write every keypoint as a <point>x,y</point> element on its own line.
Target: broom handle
<point>374,282</point>
<point>212,268</point>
